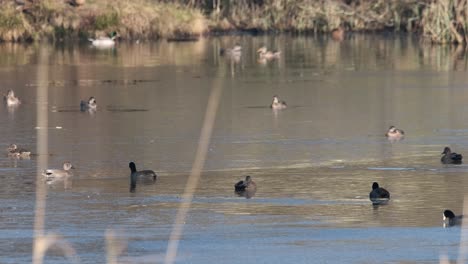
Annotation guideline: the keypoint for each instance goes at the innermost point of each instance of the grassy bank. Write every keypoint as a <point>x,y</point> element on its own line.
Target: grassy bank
<point>132,19</point>
<point>443,21</point>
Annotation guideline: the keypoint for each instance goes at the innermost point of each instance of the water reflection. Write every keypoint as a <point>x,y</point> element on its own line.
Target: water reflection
<point>246,193</point>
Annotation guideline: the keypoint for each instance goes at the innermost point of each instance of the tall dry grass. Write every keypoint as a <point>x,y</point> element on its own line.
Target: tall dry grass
<point>443,21</point>
<point>446,21</point>
<point>137,19</point>
<point>318,16</point>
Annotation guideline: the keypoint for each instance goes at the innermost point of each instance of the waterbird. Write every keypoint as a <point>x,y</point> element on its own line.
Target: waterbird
<point>264,53</point>
<point>378,195</point>
<point>394,133</point>
<point>233,52</point>
<point>246,185</point>
<point>450,157</point>
<point>11,99</point>
<point>143,175</point>
<point>277,104</point>
<point>53,174</point>
<point>14,151</point>
<point>450,219</point>
<point>104,41</point>
<point>90,105</point>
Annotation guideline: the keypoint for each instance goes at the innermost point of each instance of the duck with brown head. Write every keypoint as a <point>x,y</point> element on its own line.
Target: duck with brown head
<point>145,176</point>
<point>246,185</point>
<point>450,157</point>
<point>14,151</point>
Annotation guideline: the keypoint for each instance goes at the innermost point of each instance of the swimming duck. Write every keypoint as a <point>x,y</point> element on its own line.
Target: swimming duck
<point>264,53</point>
<point>277,104</point>
<point>144,175</point>
<point>378,195</point>
<point>53,174</point>
<point>246,185</point>
<point>233,52</point>
<point>10,98</point>
<point>450,157</point>
<point>104,41</point>
<point>91,105</point>
<point>450,219</point>
<point>14,151</point>
<point>394,133</point>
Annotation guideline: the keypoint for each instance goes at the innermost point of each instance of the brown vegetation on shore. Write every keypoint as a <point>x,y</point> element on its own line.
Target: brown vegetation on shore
<point>59,19</point>
<point>443,21</point>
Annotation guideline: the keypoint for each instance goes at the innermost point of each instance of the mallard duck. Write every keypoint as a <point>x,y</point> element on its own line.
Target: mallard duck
<point>264,53</point>
<point>394,133</point>
<point>10,98</point>
<point>14,151</point>
<point>91,105</point>
<point>53,174</point>
<point>104,41</point>
<point>450,157</point>
<point>378,195</point>
<point>144,175</point>
<point>277,104</point>
<point>246,185</point>
<point>450,219</point>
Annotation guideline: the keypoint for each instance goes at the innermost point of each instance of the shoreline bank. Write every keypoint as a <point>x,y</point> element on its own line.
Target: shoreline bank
<point>58,20</point>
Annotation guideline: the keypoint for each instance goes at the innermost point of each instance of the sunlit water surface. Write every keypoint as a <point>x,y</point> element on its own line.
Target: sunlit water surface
<point>313,162</point>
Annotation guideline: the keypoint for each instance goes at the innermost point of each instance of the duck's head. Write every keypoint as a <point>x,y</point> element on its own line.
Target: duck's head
<point>448,215</point>
<point>67,166</point>
<point>248,179</point>
<point>375,185</point>
<point>392,129</point>
<point>132,166</point>
<point>92,100</point>
<point>446,151</point>
<point>114,35</point>
<point>275,99</point>
<point>10,93</point>
<point>12,147</point>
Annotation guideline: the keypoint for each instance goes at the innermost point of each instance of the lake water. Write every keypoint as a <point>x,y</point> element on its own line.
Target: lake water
<point>314,162</point>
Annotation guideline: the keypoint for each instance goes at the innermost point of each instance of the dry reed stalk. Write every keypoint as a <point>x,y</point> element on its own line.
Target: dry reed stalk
<point>40,243</point>
<point>463,250</point>
<point>114,246</point>
<point>197,167</point>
